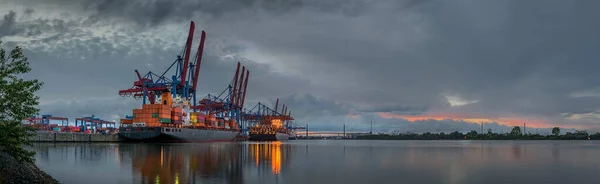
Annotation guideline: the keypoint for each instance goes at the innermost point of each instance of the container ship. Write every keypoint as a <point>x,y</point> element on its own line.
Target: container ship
<point>172,121</point>
<point>272,130</point>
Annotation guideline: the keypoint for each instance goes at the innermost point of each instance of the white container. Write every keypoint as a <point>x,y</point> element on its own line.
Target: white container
<point>139,124</point>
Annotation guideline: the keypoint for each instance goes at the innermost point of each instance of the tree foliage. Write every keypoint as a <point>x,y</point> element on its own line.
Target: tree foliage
<point>473,135</point>
<point>556,131</point>
<point>516,130</point>
<point>17,102</point>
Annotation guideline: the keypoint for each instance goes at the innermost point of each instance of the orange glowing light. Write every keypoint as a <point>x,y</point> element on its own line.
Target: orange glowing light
<point>268,152</point>
<point>256,153</point>
<point>276,123</point>
<point>276,158</point>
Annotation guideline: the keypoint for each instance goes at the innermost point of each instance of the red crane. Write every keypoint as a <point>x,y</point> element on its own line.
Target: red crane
<point>182,83</point>
<point>230,102</point>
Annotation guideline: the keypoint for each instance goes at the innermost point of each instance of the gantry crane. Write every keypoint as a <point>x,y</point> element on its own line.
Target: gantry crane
<point>43,122</point>
<point>181,84</point>
<point>262,114</point>
<point>230,102</point>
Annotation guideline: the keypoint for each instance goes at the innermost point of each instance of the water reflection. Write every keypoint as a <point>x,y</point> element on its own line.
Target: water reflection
<point>159,163</point>
<point>323,162</point>
<point>269,154</point>
<point>186,163</point>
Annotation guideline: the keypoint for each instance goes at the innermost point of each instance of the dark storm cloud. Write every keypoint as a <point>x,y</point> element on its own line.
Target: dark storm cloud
<point>511,56</point>
<point>152,13</point>
<point>399,109</point>
<point>306,105</point>
<point>111,109</point>
<point>6,26</point>
<point>37,27</point>
<point>423,106</point>
<point>522,58</point>
<point>28,11</point>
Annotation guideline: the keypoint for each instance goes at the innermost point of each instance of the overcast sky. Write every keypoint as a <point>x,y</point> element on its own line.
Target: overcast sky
<point>410,65</point>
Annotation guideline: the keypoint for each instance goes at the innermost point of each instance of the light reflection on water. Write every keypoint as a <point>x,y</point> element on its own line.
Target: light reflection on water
<point>333,161</point>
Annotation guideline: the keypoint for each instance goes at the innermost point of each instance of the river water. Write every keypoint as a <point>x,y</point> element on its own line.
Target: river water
<point>324,161</point>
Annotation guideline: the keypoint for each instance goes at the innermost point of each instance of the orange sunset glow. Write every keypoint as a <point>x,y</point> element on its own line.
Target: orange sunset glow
<point>353,115</point>
<point>507,121</point>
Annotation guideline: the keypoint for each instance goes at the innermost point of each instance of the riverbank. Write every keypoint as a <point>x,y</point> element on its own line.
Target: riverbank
<point>475,136</point>
<point>12,171</point>
<point>74,137</point>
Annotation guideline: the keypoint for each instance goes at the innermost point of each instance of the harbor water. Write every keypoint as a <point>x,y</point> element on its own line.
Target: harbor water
<point>324,161</point>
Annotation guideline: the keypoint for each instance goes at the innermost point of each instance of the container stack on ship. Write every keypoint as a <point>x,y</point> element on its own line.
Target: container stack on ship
<point>172,121</point>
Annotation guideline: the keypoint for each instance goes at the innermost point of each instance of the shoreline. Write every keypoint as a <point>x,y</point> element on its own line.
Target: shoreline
<point>11,171</point>
<point>74,137</point>
<point>473,136</point>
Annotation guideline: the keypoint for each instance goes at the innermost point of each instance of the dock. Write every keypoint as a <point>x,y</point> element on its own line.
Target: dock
<point>75,137</point>
<point>86,137</point>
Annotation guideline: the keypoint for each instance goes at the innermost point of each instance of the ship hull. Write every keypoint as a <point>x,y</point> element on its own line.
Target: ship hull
<point>167,134</point>
<point>268,137</point>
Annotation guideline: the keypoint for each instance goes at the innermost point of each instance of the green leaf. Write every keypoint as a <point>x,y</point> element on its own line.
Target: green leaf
<point>17,102</point>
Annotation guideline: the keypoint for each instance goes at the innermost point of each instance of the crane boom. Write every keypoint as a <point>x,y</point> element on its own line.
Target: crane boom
<point>198,61</point>
<point>186,59</point>
<point>245,87</point>
<point>235,80</point>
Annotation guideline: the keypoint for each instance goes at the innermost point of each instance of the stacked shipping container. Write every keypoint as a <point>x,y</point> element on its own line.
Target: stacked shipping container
<point>126,121</point>
<point>177,115</point>
<point>210,121</point>
<point>152,114</point>
<point>197,119</point>
<point>171,114</point>
<point>70,129</point>
<point>233,124</point>
<point>156,115</point>
<point>56,128</point>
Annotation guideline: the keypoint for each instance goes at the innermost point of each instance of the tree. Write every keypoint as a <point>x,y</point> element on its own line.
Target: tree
<point>472,133</point>
<point>17,102</point>
<point>556,131</point>
<point>516,131</point>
